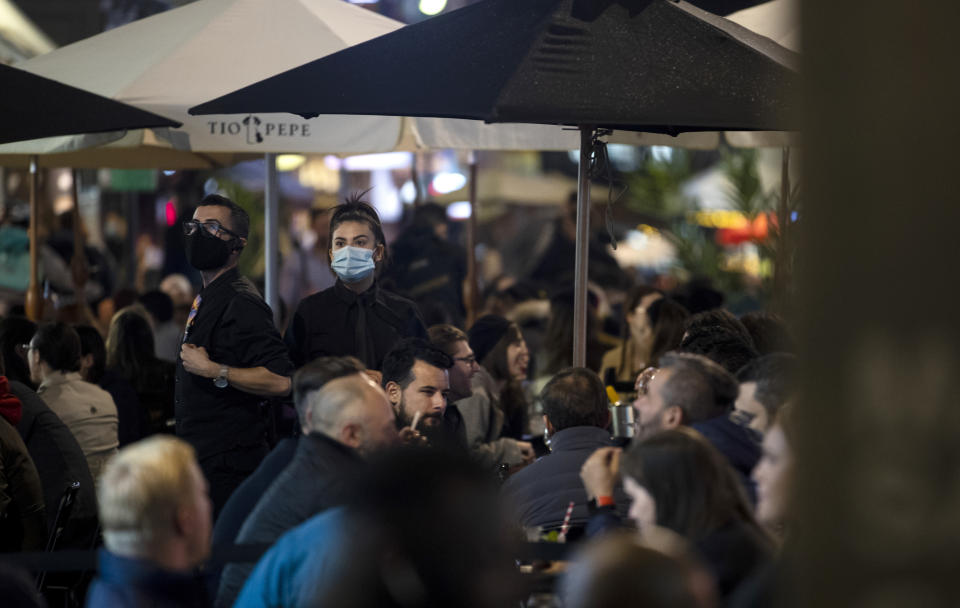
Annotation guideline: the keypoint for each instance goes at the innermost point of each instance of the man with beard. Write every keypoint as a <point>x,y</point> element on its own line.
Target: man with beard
<point>417,382</point>
<point>482,419</point>
<point>232,358</point>
<point>692,390</point>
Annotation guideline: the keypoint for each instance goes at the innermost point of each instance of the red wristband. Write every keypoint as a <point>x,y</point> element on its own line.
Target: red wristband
<point>605,501</point>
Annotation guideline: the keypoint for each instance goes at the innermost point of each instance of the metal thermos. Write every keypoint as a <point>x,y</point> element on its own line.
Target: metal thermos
<point>621,415</point>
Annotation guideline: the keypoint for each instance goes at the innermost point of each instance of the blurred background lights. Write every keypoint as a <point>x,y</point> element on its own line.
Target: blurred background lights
<point>408,192</point>
<point>170,212</point>
<point>459,210</point>
<point>65,181</point>
<point>333,162</point>
<point>663,154</point>
<point>432,7</point>
<point>384,196</point>
<point>289,162</point>
<point>372,162</point>
<point>169,172</point>
<point>447,182</point>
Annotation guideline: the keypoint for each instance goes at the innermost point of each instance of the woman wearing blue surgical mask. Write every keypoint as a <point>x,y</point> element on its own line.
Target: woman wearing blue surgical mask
<point>355,316</point>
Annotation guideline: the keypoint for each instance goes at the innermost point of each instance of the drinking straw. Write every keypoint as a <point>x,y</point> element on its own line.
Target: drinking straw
<point>566,524</point>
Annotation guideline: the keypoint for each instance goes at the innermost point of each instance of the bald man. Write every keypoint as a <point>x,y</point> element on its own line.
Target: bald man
<point>345,420</point>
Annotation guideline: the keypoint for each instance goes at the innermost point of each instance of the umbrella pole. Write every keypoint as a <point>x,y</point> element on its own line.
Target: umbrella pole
<point>78,263</point>
<point>472,284</point>
<point>583,240</point>
<point>415,178</point>
<point>33,303</point>
<point>781,279</point>
<point>271,233</point>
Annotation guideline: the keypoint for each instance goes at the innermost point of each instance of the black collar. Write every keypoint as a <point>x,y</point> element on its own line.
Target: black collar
<point>224,279</point>
<point>350,297</point>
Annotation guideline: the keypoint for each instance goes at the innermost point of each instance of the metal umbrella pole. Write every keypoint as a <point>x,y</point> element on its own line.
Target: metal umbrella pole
<point>473,297</point>
<point>583,241</point>
<point>33,302</point>
<point>271,237</point>
<point>782,255</point>
<point>79,269</point>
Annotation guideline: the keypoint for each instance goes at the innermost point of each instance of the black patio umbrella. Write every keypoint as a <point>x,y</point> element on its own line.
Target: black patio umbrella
<point>661,66</point>
<point>32,107</point>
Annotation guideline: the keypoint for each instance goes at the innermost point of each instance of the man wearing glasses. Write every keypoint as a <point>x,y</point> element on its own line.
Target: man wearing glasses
<point>232,358</point>
<point>482,419</point>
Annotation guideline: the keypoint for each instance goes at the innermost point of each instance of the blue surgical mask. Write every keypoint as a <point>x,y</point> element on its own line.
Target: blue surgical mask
<point>353,264</point>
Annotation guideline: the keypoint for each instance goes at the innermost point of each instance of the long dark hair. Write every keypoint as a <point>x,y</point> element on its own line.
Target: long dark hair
<point>633,300</point>
<point>695,490</point>
<point>91,343</point>
<point>667,318</point>
<point>558,340</point>
<point>130,347</point>
<point>513,401</point>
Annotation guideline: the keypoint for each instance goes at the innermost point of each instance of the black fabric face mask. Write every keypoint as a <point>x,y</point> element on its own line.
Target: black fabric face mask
<point>207,252</point>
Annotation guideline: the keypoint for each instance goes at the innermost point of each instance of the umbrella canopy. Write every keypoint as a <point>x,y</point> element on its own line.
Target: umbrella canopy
<point>662,66</point>
<point>651,65</point>
<point>33,106</point>
<point>778,20</point>
<point>176,59</point>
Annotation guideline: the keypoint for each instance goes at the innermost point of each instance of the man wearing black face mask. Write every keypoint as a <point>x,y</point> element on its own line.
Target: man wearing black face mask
<point>232,358</point>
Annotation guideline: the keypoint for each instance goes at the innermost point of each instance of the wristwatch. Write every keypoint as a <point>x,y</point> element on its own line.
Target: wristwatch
<point>221,380</point>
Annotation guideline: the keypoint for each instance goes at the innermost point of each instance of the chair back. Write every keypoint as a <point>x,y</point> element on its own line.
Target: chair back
<point>64,510</point>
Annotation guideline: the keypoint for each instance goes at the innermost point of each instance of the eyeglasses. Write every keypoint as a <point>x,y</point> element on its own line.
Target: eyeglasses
<point>643,380</point>
<point>471,360</point>
<point>212,228</point>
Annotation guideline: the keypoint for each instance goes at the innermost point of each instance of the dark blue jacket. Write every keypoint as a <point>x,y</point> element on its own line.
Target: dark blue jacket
<point>302,560</point>
<point>538,495</point>
<point>245,498</point>
<point>249,493</point>
<point>316,479</point>
<point>125,582</point>
<point>738,444</point>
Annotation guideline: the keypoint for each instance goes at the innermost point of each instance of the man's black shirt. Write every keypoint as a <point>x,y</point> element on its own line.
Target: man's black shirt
<point>236,327</point>
<point>337,322</point>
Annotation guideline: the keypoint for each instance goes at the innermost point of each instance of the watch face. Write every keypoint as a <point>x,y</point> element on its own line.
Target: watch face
<point>220,382</point>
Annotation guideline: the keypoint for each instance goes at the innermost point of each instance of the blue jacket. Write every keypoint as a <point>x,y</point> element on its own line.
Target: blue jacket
<point>738,444</point>
<point>538,495</point>
<point>316,479</point>
<point>299,562</point>
<point>245,498</point>
<point>126,582</point>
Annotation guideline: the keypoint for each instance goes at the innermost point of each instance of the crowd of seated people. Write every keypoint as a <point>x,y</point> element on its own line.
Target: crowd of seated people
<point>408,465</point>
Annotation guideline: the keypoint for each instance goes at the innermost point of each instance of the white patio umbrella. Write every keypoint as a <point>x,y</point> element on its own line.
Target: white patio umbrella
<point>174,60</point>
<point>180,58</point>
<point>778,20</point>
